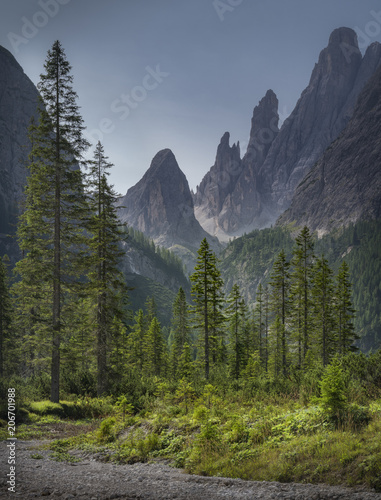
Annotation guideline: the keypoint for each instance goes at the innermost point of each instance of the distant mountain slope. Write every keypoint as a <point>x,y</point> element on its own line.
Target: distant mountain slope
<point>345,184</point>
<point>152,272</point>
<point>248,261</point>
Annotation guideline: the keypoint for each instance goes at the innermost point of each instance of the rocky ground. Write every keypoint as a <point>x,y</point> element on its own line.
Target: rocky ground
<point>38,476</point>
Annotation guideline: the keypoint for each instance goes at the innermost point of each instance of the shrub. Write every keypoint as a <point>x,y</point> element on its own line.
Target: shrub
<point>106,431</point>
<point>333,390</point>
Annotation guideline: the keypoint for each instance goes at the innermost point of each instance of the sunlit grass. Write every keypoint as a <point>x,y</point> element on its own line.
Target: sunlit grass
<point>268,439</point>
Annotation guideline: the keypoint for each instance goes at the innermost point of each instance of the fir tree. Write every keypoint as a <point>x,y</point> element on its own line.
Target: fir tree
<point>217,317</point>
<point>185,367</point>
<point>106,281</point>
<point>259,321</point>
<point>236,313</point>
<point>5,311</point>
<point>344,310</point>
<point>206,285</point>
<point>180,329</point>
<point>323,299</point>
<point>280,307</point>
<point>303,260</point>
<point>136,342</point>
<point>155,351</point>
<point>50,228</point>
<point>151,310</point>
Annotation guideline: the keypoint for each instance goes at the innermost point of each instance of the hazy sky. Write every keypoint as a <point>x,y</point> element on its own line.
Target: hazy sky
<point>155,74</point>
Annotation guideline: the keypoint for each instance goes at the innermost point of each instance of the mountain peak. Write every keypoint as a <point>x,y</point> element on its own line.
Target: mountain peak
<point>343,35</point>
<point>164,162</point>
<point>161,205</point>
<point>264,128</point>
<point>225,138</point>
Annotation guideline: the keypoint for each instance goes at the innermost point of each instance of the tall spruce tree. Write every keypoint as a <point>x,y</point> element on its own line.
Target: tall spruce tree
<point>259,321</point>
<point>5,311</point>
<point>303,261</point>
<point>344,311</point>
<point>206,285</point>
<point>236,313</point>
<point>180,329</point>
<point>106,281</point>
<point>217,317</point>
<point>280,307</point>
<point>155,350</point>
<point>50,228</point>
<point>323,318</point>
<point>136,341</point>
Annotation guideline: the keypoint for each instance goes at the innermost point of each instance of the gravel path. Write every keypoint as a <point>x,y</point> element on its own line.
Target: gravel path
<point>92,480</point>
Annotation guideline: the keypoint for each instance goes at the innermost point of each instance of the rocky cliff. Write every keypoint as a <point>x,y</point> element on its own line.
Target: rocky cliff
<point>228,197</point>
<point>217,185</point>
<point>321,113</point>
<point>276,161</point>
<point>244,208</point>
<point>345,184</point>
<point>160,205</point>
<point>18,103</point>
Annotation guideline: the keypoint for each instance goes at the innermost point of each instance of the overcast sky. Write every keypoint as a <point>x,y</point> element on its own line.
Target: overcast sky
<point>155,74</point>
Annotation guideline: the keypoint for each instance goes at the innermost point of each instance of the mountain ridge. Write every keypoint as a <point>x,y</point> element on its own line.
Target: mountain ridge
<point>324,108</point>
<point>344,186</point>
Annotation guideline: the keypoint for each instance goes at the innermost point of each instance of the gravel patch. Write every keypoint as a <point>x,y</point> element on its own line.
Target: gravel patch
<point>93,480</point>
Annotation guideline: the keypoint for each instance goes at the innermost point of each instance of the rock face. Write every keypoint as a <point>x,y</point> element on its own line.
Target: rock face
<point>18,103</point>
<point>345,185</point>
<point>276,161</point>
<point>321,113</point>
<point>243,208</point>
<point>227,197</point>
<point>217,186</point>
<point>161,206</point>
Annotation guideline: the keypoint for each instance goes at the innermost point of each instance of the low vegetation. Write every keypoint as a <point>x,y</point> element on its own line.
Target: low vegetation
<point>328,431</point>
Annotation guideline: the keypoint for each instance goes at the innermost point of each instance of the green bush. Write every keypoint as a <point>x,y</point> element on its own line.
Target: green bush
<point>333,390</point>
<point>106,432</point>
<point>356,416</point>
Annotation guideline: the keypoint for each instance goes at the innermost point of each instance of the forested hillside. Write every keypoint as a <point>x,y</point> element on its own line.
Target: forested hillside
<point>360,246</point>
<point>248,260</point>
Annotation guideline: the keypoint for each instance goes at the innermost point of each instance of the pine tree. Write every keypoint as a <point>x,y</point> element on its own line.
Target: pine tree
<point>280,307</point>
<point>267,316</point>
<point>236,314</point>
<point>136,342</point>
<point>151,310</point>
<point>106,281</point>
<point>206,285</point>
<point>155,351</point>
<point>180,329</point>
<point>5,311</point>
<point>217,317</point>
<point>259,322</point>
<point>50,228</point>
<point>344,310</point>
<point>323,319</point>
<point>303,260</point>
<point>185,367</point>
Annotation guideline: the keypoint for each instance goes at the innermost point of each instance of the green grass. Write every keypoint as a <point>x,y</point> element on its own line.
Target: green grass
<point>268,439</point>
